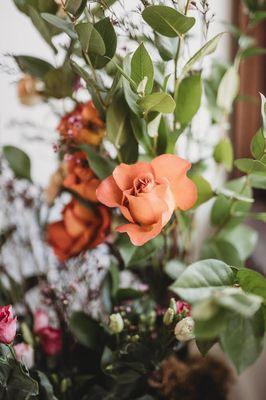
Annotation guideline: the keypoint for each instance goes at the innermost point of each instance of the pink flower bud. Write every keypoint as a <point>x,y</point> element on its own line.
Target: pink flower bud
<point>41,320</point>
<point>51,340</point>
<point>183,309</point>
<point>8,325</point>
<point>25,354</point>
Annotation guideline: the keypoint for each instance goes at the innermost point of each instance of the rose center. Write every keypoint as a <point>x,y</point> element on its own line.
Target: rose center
<point>143,184</point>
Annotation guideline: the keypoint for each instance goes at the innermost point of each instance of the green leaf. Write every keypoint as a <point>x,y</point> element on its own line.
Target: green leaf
<point>75,7</point>
<point>251,52</point>
<point>188,98</point>
<point>204,189</point>
<point>116,121</point>
<point>243,238</point>
<point>200,279</point>
<point>242,340</point>
<point>139,131</point>
<point>167,21</point>
<point>33,66</point>
<point>39,24</point>
<point>167,47</point>
<point>144,253</point>
<point>174,268</point>
<point>142,68</point>
<point>211,328</point>
<point>207,49</point>
<point>18,161</point>
<point>160,102</point>
<point>101,166</point>
<point>59,82</point>
<point>220,210</point>
<point>250,166</point>
<point>252,282</point>
<point>86,330</point>
<point>258,145</point>
<point>15,381</point>
<point>61,24</point>
<point>228,89</point>
<point>204,346</point>
<point>234,299</point>
<point>90,39</point>
<point>258,180</point>
<point>223,153</point>
<point>222,250</point>
<point>130,95</point>
<point>45,387</point>
<point>127,294</point>
<point>105,28</point>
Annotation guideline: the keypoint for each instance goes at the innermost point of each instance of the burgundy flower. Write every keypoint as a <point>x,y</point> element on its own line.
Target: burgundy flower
<point>41,320</point>
<point>51,340</point>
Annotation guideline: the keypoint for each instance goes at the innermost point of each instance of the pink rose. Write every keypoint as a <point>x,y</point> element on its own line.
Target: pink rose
<point>25,354</point>
<point>51,340</point>
<point>8,325</point>
<point>41,320</point>
<point>183,309</point>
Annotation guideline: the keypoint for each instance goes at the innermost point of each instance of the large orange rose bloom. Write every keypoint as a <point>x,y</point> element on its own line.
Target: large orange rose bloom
<point>80,229</point>
<point>80,178</point>
<point>83,125</point>
<point>147,194</point>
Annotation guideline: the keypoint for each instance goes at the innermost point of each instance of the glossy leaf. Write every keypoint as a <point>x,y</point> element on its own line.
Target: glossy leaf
<point>142,67</point>
<point>223,153</point>
<point>33,66</point>
<point>207,49</point>
<point>160,102</point>
<point>105,28</point>
<point>90,39</point>
<point>167,21</point>
<point>252,282</point>
<point>200,279</point>
<point>63,25</point>
<point>18,161</point>
<point>100,165</point>
<point>228,89</point>
<point>188,98</point>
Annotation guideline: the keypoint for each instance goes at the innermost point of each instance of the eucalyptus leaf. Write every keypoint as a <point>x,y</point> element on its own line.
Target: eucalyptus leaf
<point>228,89</point>
<point>63,25</point>
<point>160,102</point>
<point>188,98</point>
<point>33,66</point>
<point>207,49</point>
<point>167,21</point>
<point>42,27</point>
<point>75,7</point>
<point>223,153</point>
<point>105,28</point>
<point>101,166</point>
<point>142,67</point>
<point>90,39</point>
<point>18,161</point>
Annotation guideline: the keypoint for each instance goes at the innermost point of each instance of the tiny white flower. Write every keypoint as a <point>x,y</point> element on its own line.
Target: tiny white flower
<point>116,324</point>
<point>184,329</point>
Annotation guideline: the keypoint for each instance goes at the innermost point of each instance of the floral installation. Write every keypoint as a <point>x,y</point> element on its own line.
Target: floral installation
<point>111,275</point>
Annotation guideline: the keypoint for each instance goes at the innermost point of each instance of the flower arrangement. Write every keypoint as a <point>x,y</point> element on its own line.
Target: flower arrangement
<point>118,291</point>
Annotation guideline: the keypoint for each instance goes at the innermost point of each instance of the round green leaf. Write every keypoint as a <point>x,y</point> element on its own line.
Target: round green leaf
<point>167,21</point>
<point>90,39</point>
<point>223,153</point>
<point>18,161</point>
<point>202,278</point>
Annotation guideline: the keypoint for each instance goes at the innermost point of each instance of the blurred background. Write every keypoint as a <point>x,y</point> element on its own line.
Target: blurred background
<point>33,129</point>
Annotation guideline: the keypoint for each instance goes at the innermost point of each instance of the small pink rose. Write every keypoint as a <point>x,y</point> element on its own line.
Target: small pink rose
<point>183,309</point>
<point>8,325</point>
<point>51,340</point>
<point>25,354</point>
<point>41,320</point>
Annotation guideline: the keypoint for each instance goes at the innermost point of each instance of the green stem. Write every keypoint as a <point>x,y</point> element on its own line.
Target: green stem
<point>87,59</point>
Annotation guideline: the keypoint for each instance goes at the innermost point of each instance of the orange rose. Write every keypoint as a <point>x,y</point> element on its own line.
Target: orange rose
<point>29,90</point>
<point>81,229</point>
<point>80,177</point>
<point>147,194</point>
<point>83,125</point>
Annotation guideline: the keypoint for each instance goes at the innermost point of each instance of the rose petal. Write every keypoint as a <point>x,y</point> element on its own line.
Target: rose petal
<point>109,193</point>
<point>124,174</point>
<point>140,235</point>
<point>74,226</point>
<point>174,169</point>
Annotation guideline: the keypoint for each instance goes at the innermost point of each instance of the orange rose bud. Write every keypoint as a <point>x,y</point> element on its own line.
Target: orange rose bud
<point>147,194</point>
<point>80,178</point>
<point>83,125</point>
<point>80,229</point>
<point>29,90</point>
